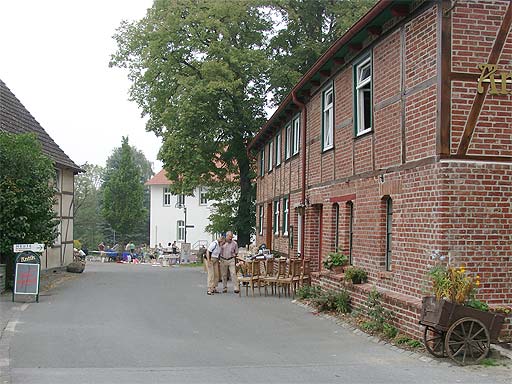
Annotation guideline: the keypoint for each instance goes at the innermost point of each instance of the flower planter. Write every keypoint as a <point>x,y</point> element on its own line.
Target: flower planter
<point>463,333</point>
<point>338,269</point>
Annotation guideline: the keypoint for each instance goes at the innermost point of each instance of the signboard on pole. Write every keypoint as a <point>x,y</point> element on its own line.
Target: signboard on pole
<point>27,273</point>
<point>28,247</point>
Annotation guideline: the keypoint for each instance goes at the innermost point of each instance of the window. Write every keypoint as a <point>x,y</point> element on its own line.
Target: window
<point>260,220</point>
<point>363,75</point>
<point>350,211</point>
<point>288,142</point>
<point>58,180</point>
<point>203,200</point>
<point>181,200</point>
<point>270,155</point>
<point>180,224</point>
<point>286,216</point>
<point>389,227</point>
<point>278,149</point>
<point>276,217</point>
<point>296,135</point>
<point>336,227</point>
<point>167,197</point>
<point>262,162</point>
<point>327,119</point>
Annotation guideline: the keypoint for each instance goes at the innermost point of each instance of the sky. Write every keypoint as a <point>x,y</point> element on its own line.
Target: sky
<point>54,57</point>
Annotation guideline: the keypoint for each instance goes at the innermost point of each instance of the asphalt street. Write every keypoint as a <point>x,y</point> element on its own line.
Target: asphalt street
<point>121,323</point>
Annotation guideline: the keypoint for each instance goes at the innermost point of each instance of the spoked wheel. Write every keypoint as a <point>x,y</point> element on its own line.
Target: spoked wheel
<point>434,341</point>
<point>467,341</point>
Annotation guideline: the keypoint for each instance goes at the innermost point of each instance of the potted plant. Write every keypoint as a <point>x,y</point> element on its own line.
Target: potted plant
<point>356,275</point>
<point>335,262</point>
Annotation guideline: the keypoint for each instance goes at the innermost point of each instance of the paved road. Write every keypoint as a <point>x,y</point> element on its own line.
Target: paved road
<point>141,324</point>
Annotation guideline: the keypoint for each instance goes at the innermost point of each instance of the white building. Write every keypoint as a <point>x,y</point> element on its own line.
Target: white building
<point>168,220</point>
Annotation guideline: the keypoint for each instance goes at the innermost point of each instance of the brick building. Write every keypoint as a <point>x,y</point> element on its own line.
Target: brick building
<point>395,146</point>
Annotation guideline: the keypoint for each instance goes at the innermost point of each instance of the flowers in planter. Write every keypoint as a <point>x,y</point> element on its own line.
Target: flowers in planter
<point>335,259</point>
<point>454,284</point>
<point>356,275</point>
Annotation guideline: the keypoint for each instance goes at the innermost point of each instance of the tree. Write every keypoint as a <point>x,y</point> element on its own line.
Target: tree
<point>198,72</point>
<point>201,71</point>
<point>26,194</point>
<point>123,196</point>
<point>88,220</point>
<point>141,232</point>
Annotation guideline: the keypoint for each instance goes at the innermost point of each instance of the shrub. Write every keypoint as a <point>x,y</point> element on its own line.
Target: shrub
<point>477,304</point>
<point>335,259</point>
<point>375,311</point>
<point>414,343</point>
<point>389,330</point>
<point>402,339</point>
<point>356,275</point>
<point>308,292</point>
<point>333,301</point>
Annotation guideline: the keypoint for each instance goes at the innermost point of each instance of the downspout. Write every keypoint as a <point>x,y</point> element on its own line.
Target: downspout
<point>303,109</point>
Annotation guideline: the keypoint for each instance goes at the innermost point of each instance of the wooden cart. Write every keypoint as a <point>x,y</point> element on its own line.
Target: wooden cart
<point>462,333</point>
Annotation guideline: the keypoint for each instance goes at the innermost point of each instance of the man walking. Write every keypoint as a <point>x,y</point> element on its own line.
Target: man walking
<point>228,261</point>
<point>212,264</point>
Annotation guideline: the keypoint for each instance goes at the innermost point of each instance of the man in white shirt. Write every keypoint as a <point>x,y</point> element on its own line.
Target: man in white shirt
<point>212,264</point>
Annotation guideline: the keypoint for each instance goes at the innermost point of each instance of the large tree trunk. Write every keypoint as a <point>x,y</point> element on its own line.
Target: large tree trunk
<point>244,221</point>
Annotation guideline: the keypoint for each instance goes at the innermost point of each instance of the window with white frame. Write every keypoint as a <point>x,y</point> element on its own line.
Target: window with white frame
<point>270,155</point>
<point>278,149</point>
<point>58,180</point>
<point>203,200</point>
<point>286,215</point>
<point>260,214</point>
<point>180,225</point>
<point>327,119</point>
<point>181,200</point>
<point>167,197</point>
<point>276,217</point>
<point>363,75</point>
<point>288,142</point>
<point>296,135</point>
<point>262,162</point>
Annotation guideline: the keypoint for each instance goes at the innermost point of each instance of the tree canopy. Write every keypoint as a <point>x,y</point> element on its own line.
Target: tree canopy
<point>123,195</point>
<point>205,72</point>
<point>26,193</point>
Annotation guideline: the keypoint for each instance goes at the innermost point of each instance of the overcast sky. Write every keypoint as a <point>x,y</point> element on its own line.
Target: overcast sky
<point>54,56</point>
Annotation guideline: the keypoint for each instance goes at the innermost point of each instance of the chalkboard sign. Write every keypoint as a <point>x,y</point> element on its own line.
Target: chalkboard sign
<point>26,277</point>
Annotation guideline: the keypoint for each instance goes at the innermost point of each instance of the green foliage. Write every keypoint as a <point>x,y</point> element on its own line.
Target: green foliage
<point>123,204</point>
<point>489,362</point>
<point>402,339</point>
<point>477,304</point>
<point>88,220</point>
<point>356,275</point>
<point>335,259</point>
<point>389,330</point>
<point>308,292</point>
<point>27,196</point>
<point>374,310</point>
<point>333,301</point>
<point>202,71</point>
<point>414,343</point>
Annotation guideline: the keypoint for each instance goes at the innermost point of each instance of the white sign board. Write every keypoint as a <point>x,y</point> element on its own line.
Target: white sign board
<point>28,247</point>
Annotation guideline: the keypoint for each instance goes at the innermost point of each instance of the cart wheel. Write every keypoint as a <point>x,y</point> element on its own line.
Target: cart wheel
<point>434,341</point>
<point>467,341</point>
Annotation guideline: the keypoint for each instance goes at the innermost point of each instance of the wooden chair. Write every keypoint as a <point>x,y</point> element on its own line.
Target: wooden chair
<point>272,279</point>
<point>305,275</point>
<point>288,283</point>
<point>253,278</point>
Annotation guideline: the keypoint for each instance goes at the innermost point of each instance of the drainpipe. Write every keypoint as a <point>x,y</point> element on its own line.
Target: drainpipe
<point>303,109</point>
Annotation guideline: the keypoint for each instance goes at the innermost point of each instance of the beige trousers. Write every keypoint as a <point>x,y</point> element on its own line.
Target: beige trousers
<point>212,268</point>
<point>224,266</point>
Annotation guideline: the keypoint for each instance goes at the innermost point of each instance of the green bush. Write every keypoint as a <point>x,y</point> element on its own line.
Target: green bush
<point>477,304</point>
<point>335,259</point>
<point>389,330</point>
<point>356,275</point>
<point>308,292</point>
<point>402,339</point>
<point>375,311</point>
<point>414,343</point>
<point>333,301</point>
